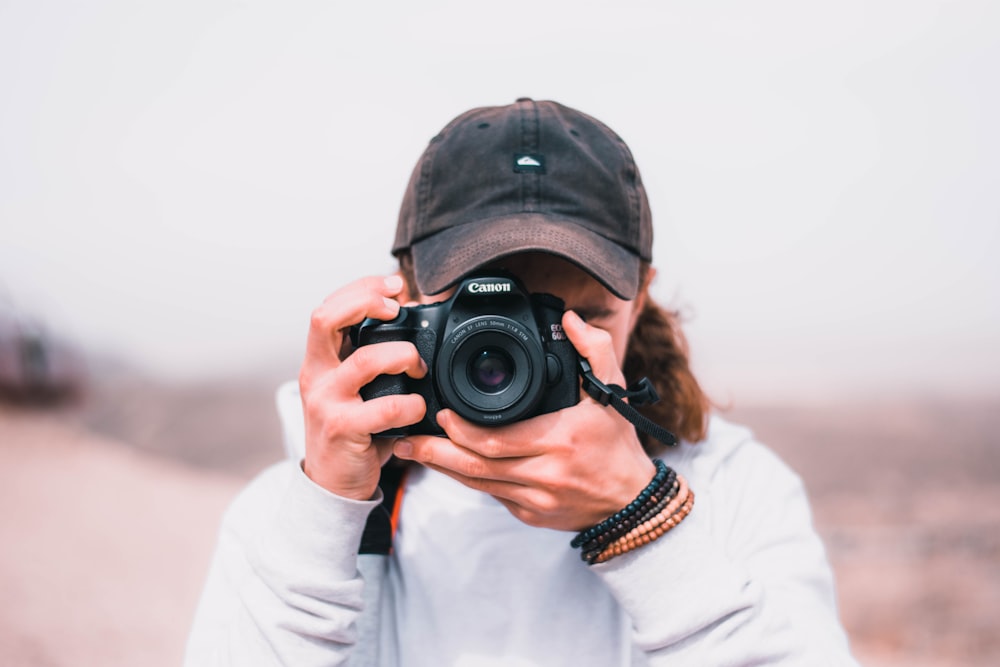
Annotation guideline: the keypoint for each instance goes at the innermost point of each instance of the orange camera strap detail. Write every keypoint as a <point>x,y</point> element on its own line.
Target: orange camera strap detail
<point>397,504</point>
<point>384,520</point>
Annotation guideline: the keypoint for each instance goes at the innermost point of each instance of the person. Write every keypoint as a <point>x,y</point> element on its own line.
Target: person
<point>503,547</point>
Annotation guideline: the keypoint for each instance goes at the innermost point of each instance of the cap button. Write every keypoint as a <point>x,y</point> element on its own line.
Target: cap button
<point>524,99</point>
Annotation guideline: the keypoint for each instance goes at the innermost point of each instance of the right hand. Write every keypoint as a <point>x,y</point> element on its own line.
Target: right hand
<point>341,455</point>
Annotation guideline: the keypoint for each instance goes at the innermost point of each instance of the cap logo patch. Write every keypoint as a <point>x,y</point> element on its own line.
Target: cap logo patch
<point>529,163</point>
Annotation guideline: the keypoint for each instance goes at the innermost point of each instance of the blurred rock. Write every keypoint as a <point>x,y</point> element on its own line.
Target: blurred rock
<point>36,366</point>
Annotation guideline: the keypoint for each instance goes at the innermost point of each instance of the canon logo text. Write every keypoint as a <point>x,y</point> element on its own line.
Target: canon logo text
<point>480,288</point>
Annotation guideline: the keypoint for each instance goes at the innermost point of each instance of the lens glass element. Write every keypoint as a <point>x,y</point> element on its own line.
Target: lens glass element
<point>491,370</point>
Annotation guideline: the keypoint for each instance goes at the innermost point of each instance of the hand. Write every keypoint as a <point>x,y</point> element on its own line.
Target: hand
<point>341,454</point>
<point>566,470</point>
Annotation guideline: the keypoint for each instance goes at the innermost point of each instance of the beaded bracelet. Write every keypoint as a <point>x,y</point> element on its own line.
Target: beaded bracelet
<point>658,508</point>
<point>669,510</point>
<point>663,504</point>
<point>637,506</point>
<point>592,551</point>
<point>658,498</point>
<point>597,545</point>
<point>620,547</point>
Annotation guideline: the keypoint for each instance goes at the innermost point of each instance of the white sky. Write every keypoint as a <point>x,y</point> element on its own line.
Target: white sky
<point>182,182</point>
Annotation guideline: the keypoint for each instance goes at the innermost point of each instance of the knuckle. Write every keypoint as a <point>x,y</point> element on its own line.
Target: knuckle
<point>530,517</point>
<point>305,381</point>
<point>549,481</point>
<point>424,453</point>
<point>392,410</point>
<point>365,360</point>
<point>386,357</point>
<point>311,406</point>
<point>545,503</point>
<point>521,514</point>
<point>413,355</point>
<point>493,446</point>
<point>328,421</point>
<point>331,422</point>
<point>405,352</point>
<point>333,428</point>
<point>416,406</point>
<point>474,467</point>
<point>320,319</point>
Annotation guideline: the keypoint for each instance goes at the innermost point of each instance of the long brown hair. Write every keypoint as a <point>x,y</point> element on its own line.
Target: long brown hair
<point>656,349</point>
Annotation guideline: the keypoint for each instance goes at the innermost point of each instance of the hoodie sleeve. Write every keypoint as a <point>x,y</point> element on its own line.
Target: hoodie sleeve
<point>743,580</point>
<point>283,587</point>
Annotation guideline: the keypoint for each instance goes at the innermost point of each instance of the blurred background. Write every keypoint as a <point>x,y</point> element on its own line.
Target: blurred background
<point>182,183</point>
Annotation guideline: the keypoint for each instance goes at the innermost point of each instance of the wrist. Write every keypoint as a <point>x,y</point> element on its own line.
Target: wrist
<point>351,488</point>
<point>662,504</point>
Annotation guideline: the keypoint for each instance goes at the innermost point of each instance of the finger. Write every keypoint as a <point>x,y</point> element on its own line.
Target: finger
<point>368,297</point>
<point>368,362</point>
<point>383,413</point>
<point>519,439</point>
<point>596,346</point>
<point>459,462</point>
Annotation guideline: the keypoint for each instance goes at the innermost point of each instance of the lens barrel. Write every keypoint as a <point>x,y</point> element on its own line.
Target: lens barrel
<point>491,370</point>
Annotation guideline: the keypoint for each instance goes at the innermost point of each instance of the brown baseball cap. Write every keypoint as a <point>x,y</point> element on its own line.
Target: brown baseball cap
<point>530,176</point>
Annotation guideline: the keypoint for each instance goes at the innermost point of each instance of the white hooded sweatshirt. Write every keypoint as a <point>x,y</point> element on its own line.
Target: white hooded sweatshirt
<point>743,580</point>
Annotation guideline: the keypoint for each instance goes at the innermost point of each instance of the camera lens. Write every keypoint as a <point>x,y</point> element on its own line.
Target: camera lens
<point>491,370</point>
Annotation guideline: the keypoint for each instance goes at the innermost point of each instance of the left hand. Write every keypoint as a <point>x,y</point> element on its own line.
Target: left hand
<point>566,470</point>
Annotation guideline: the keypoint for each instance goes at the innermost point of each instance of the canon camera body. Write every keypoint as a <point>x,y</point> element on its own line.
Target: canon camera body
<point>495,354</point>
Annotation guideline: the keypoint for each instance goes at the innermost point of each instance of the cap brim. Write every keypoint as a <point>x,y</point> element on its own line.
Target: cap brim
<point>441,260</point>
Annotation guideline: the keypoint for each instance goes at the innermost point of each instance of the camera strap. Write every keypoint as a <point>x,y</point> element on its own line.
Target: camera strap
<point>640,393</point>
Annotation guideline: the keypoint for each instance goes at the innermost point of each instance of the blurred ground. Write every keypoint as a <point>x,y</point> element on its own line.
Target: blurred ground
<point>906,496</point>
<point>102,548</point>
<point>104,545</point>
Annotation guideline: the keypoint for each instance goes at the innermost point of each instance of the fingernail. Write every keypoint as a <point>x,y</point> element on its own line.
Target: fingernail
<point>403,449</point>
<point>573,317</point>
<point>394,283</point>
<point>391,304</point>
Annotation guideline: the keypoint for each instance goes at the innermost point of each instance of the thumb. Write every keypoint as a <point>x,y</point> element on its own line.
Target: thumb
<point>594,345</point>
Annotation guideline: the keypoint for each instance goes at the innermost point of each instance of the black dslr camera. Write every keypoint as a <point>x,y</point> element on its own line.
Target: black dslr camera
<point>495,354</point>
